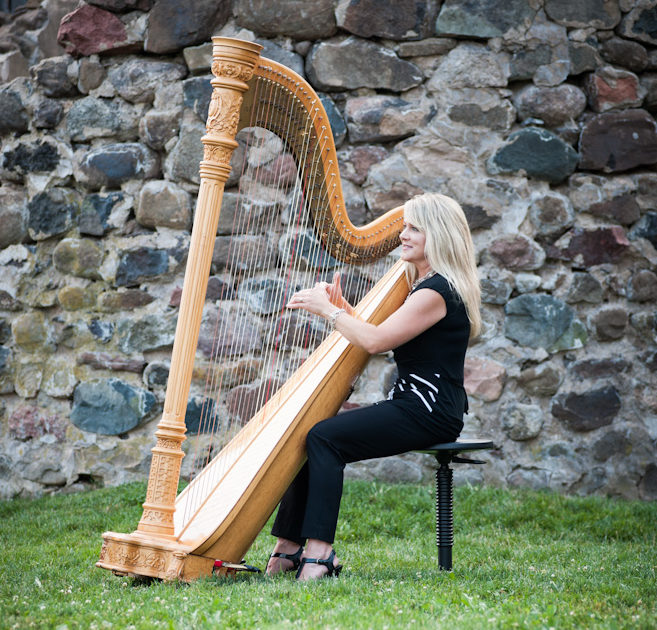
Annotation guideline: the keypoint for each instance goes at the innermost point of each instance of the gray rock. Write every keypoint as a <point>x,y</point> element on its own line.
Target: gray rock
<point>538,153</point>
<point>537,321</point>
<point>610,323</point>
<point>197,93</point>
<point>639,24</point>
<point>405,19</point>
<point>51,213</point>
<point>13,216</point>
<point>241,253</point>
<point>517,252</point>
<point>353,63</point>
<point>14,117</point>
<point>495,117</point>
<point>52,75</point>
<point>111,165</point>
<point>551,214</point>
<point>150,332</point>
<point>139,264</point>
<point>583,57</point>
<point>172,26</point>
<point>621,52</point>
<point>483,19</point>
<point>157,128</point>
<point>295,18</point>
<point>599,14</point>
<point>233,340</point>
<point>622,209</point>
<point>642,286</point>
<point>522,422</point>
<point>646,228</point>
<point>553,105</point>
<point>263,295</point>
<point>583,287</point>
<point>78,257</point>
<point>542,380</point>
<point>110,406</point>
<point>92,117</point>
<point>495,291</point>
<point>137,80</point>
<point>338,125</point>
<point>48,113</point>
<point>96,212</point>
<point>586,412</point>
<point>184,158</point>
<point>471,66</point>
<point>604,368</point>
<point>24,158</point>
<point>162,203</point>
<point>289,59</point>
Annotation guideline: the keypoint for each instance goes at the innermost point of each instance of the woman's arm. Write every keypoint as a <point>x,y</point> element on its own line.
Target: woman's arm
<point>421,310</point>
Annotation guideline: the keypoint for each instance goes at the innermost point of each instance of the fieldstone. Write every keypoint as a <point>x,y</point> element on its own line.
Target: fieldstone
<point>110,406</point>
<point>583,57</point>
<point>646,228</point>
<point>537,321</point>
<point>586,412</point>
<point>13,64</point>
<point>163,204</point>
<point>356,162</point>
<point>92,117</point>
<point>553,105</point>
<point>157,128</point>
<point>604,368</point>
<point>6,371</point>
<point>14,117</point>
<point>624,53</point>
<point>78,257</point>
<point>583,287</point>
<point>101,330</point>
<point>13,215</point>
<point>219,289</point>
<point>156,375</point>
<point>611,88</point>
<point>527,282</point>
<point>524,63</point>
<point>27,377</point>
<point>427,47</point>
<point>140,264</point>
<point>595,246</point>
<point>51,213</point>
<point>551,214</point>
<point>201,416</point>
<point>642,286</point>
<point>254,253</point>
<point>263,295</point>
<point>649,86</point>
<point>622,209</point>
<point>639,24</point>
<point>53,76</point>
<point>618,141</point>
<point>541,380</point>
<point>232,340</point>
<point>198,59</point>
<point>598,14</point>
<point>484,378</point>
<point>100,212</point>
<point>383,118</point>
<point>610,444</point>
<point>137,80</point>
<point>338,125</point>
<point>59,379</point>
<point>354,63</point>
<point>90,30</point>
<point>648,484</point>
<point>197,93</point>
<point>289,59</point>
<point>184,158</point>
<point>610,323</point>
<point>495,291</point>
<point>471,66</point>
<point>105,361</point>
<point>293,18</point>
<point>307,251</point>
<point>517,252</point>
<point>47,113</point>
<point>406,19</point>
<point>113,164</point>
<point>244,401</point>
<point>126,300</point>
<point>91,74</point>
<point>522,422</point>
<point>151,332</point>
<point>497,117</point>
<point>31,423</point>
<point>478,216</point>
<point>24,158</point>
<point>31,331</point>
<point>76,298</point>
<point>537,152</point>
<point>121,6</point>
<point>483,19</point>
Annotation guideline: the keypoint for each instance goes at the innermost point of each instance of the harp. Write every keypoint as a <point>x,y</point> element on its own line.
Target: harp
<point>222,510</point>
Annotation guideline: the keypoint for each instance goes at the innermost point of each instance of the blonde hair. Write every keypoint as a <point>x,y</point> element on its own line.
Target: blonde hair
<point>449,249</point>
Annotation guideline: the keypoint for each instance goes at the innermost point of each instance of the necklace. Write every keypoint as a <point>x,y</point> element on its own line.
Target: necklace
<point>422,279</point>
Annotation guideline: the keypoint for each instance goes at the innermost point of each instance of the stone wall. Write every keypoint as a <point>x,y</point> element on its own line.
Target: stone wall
<point>536,115</point>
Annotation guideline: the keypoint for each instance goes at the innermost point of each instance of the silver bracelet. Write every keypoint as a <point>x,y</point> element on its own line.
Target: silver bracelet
<point>334,315</point>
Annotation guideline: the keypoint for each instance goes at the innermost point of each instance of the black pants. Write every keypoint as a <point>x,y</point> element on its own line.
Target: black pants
<point>309,508</point>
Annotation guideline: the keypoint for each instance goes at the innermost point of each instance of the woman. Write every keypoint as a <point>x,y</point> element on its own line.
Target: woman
<point>429,334</point>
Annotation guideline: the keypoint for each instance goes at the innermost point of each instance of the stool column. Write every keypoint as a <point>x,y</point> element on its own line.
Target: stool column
<point>444,515</point>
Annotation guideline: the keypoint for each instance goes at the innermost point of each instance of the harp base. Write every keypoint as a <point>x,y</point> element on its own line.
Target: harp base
<point>135,555</point>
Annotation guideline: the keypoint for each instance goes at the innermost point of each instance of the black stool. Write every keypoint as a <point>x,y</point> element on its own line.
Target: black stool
<point>446,454</point>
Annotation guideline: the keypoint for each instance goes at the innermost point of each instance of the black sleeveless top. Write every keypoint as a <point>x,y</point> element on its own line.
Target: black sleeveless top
<point>434,360</point>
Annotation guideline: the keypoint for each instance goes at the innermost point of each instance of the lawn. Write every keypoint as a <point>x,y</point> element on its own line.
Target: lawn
<point>521,559</point>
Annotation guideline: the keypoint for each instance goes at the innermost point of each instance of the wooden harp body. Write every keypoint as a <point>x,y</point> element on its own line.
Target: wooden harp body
<point>222,510</point>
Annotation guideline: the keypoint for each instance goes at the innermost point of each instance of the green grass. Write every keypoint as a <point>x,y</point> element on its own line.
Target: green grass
<point>521,559</point>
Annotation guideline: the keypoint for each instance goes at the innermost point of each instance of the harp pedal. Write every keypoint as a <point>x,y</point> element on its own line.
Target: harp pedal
<point>232,569</point>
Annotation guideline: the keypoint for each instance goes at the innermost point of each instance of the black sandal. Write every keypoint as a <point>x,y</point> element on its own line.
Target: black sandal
<point>295,558</point>
<point>333,569</point>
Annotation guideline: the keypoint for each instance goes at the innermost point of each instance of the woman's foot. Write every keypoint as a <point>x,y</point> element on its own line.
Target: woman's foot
<point>285,557</point>
<point>318,561</point>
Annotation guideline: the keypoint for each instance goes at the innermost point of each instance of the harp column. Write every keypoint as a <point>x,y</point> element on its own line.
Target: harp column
<point>233,65</point>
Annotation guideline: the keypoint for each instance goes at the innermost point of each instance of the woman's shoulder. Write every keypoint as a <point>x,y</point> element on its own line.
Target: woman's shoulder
<point>441,285</point>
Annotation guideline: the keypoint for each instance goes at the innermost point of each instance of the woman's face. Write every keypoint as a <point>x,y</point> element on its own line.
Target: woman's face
<point>413,241</point>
